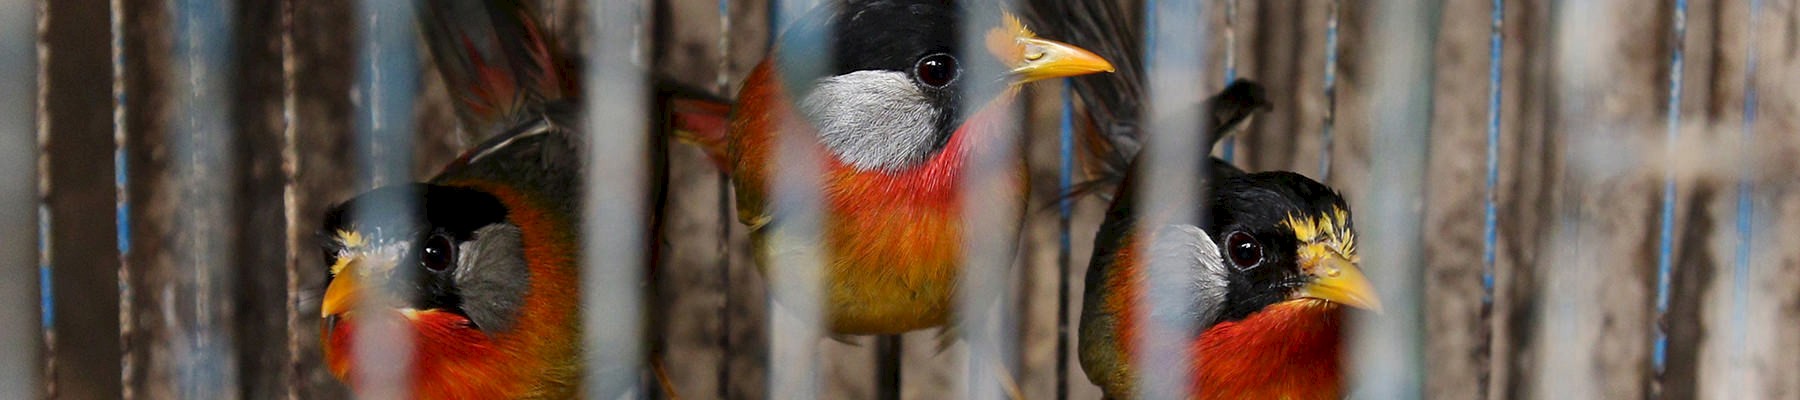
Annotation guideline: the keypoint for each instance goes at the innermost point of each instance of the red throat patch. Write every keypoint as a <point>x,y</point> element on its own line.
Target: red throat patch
<point>1289,350</point>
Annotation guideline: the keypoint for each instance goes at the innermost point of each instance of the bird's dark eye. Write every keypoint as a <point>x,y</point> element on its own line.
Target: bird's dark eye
<point>439,254</point>
<point>936,70</point>
<point>1244,250</point>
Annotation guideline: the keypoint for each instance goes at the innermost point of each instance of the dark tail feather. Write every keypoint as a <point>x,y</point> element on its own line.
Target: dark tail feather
<point>1226,112</point>
<point>496,59</point>
<point>1111,102</point>
<point>1231,108</point>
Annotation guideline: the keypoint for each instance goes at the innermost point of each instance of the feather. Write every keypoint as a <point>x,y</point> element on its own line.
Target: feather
<point>498,63</point>
<point>1113,103</point>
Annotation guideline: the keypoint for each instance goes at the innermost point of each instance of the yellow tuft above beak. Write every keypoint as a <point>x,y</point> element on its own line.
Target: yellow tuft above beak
<point>1339,281</point>
<point>341,295</point>
<point>1034,59</point>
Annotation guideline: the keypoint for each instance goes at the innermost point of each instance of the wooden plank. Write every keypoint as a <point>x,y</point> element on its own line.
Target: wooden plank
<point>84,248</point>
<point>1454,217</point>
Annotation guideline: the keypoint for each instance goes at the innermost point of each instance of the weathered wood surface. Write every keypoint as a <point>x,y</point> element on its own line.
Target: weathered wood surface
<point>296,66</point>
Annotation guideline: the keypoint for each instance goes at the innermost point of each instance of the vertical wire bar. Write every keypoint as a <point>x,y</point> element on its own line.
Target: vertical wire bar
<point>1738,366</point>
<point>1228,147</point>
<point>122,196</point>
<point>1231,73</point>
<point>1665,248</point>
<point>1569,303</point>
<point>1490,215</point>
<point>1331,70</point>
<point>46,273</point>
<point>887,369</point>
<point>388,85</point>
<point>1065,173</point>
<point>202,143</point>
<point>613,317</point>
<point>1388,348</point>
<point>796,315</point>
<point>990,211</point>
<point>19,319</point>
<point>722,85</point>
<point>290,197</point>
<point>1174,49</point>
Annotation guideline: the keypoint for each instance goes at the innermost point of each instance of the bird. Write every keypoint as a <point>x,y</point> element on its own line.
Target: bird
<point>484,265</point>
<point>1268,267</point>
<point>888,121</point>
<point>1267,270</point>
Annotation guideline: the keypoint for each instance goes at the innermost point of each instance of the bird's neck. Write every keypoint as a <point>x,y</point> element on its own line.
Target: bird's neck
<point>1288,350</point>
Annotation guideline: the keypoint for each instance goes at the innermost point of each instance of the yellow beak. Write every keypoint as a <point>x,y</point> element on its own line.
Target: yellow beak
<point>1339,281</point>
<point>341,295</point>
<point>1046,59</point>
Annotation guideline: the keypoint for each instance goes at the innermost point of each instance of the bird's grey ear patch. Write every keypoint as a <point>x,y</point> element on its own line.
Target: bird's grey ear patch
<point>492,277</point>
<point>1194,251</point>
<point>875,120</point>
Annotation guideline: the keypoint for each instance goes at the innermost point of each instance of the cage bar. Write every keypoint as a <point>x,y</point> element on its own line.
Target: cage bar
<point>19,300</point>
<point>722,86</point>
<point>795,278</point>
<point>1174,49</point>
<point>1326,134</point>
<point>1490,222</point>
<point>199,313</point>
<point>1570,303</point>
<point>1388,347</point>
<point>614,235</point>
<point>45,237</point>
<point>1228,146</point>
<point>1665,253</point>
<point>987,299</point>
<point>1065,173</point>
<point>121,190</point>
<point>290,206</point>
<point>388,81</point>
<point>1739,370</point>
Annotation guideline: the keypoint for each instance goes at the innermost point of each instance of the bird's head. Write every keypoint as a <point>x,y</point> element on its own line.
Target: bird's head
<point>443,259</point>
<point>883,81</point>
<point>1287,238</point>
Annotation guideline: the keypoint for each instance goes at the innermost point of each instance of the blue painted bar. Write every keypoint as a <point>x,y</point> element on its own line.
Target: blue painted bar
<point>1490,220</point>
<point>1331,71</point>
<point>121,182</point>
<point>1228,147</point>
<point>1490,231</point>
<point>1065,173</point>
<point>1665,247</point>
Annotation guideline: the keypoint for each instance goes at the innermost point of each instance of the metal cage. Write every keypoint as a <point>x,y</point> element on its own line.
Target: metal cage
<point>1559,199</point>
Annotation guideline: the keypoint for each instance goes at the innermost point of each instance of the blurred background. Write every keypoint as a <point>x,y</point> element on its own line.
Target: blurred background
<point>1571,119</point>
